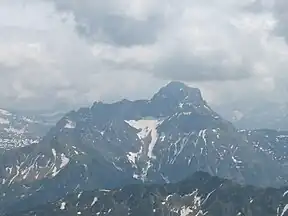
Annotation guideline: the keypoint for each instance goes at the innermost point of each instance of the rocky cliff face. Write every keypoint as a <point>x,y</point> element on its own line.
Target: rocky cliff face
<point>200,195</point>
<point>161,140</point>
<point>21,129</point>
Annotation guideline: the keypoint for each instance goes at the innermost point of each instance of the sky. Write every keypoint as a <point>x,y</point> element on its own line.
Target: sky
<point>69,53</point>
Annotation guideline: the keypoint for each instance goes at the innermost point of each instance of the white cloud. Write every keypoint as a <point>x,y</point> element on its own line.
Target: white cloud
<point>81,51</point>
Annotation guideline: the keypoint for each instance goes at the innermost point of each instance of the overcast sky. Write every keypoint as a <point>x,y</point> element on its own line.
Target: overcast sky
<point>57,53</point>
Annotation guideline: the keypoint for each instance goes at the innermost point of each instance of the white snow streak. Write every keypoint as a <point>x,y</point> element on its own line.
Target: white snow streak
<point>54,152</point>
<point>202,133</point>
<point>79,195</point>
<point>165,178</point>
<point>117,167</point>
<point>236,161</point>
<point>55,171</point>
<point>284,210</point>
<point>147,128</point>
<point>64,161</point>
<point>94,201</point>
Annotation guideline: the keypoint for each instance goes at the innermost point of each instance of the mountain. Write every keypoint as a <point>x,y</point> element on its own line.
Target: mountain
<point>273,143</point>
<point>161,140</point>
<point>200,194</point>
<point>255,114</point>
<point>18,129</point>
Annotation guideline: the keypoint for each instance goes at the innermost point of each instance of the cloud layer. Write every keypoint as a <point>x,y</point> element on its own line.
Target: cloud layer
<point>77,52</point>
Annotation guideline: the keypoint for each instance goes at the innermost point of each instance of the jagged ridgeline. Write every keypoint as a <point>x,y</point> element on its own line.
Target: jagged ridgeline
<point>200,195</point>
<point>161,140</point>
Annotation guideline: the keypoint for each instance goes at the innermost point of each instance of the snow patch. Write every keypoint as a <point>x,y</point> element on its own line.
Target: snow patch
<point>147,127</point>
<point>79,195</point>
<point>208,196</point>
<point>55,171</point>
<point>284,210</point>
<point>144,171</point>
<point>64,161</point>
<point>165,178</point>
<point>136,176</point>
<point>117,167</point>
<point>70,124</point>
<point>8,169</point>
<point>187,113</point>
<point>63,206</point>
<point>104,190</point>
<point>236,161</point>
<point>282,136</point>
<point>14,130</point>
<point>29,120</point>
<point>94,201</point>
<point>162,137</point>
<point>4,121</point>
<point>5,112</point>
<point>185,211</point>
<point>202,133</point>
<point>54,152</point>
<point>132,157</point>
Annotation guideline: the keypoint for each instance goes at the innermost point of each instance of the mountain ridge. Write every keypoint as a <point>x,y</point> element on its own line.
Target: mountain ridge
<point>154,141</point>
<point>18,129</point>
<point>200,194</point>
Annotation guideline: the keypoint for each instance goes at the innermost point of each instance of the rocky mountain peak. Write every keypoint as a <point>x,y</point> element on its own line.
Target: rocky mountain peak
<point>178,97</point>
<point>180,92</point>
<point>160,140</point>
<point>175,97</point>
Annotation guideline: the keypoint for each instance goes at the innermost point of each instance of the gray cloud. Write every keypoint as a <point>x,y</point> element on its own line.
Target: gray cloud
<point>120,30</point>
<point>281,14</point>
<point>259,6</point>
<point>279,9</point>
<point>100,21</point>
<point>108,50</point>
<point>193,68</point>
<point>110,22</point>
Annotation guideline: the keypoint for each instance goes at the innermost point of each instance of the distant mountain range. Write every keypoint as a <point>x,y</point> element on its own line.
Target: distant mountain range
<point>200,194</point>
<point>19,129</point>
<point>156,141</point>
<point>255,114</point>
